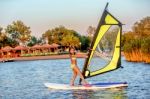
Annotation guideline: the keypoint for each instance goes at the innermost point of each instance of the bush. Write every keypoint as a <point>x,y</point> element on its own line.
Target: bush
<point>132,45</point>
<point>145,46</point>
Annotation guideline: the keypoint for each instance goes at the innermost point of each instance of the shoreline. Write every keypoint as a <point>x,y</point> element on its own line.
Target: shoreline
<point>51,57</point>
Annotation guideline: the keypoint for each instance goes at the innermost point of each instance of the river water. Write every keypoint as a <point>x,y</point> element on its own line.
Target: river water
<point>25,80</point>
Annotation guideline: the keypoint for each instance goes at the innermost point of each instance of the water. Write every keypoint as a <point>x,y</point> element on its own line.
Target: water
<point>25,80</point>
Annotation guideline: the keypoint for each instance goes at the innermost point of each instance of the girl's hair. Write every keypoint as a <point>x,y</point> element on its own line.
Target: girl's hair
<point>71,47</point>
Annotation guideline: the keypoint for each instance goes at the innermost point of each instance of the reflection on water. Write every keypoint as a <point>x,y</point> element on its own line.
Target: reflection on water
<point>101,94</point>
<point>86,94</point>
<point>25,80</point>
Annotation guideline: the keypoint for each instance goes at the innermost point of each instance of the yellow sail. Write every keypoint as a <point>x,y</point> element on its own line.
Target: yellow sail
<point>105,52</point>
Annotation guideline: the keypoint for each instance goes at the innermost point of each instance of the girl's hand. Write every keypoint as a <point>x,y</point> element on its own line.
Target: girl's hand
<point>86,56</point>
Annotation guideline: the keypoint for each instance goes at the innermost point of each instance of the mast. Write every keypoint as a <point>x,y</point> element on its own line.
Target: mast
<point>94,38</point>
<point>107,20</point>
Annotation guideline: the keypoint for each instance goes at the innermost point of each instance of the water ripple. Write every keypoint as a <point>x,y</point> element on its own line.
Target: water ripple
<point>25,80</point>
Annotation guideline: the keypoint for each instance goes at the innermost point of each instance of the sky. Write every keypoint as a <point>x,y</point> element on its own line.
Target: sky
<point>41,15</point>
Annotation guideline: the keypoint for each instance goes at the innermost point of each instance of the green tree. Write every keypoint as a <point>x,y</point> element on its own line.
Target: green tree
<point>7,41</point>
<point>91,30</point>
<point>142,28</point>
<point>145,46</point>
<point>70,40</point>
<point>85,42</point>
<point>49,36</point>
<point>2,35</point>
<point>66,37</point>
<point>136,43</point>
<point>33,41</point>
<point>10,42</point>
<point>59,34</point>
<point>127,38</point>
<point>19,31</point>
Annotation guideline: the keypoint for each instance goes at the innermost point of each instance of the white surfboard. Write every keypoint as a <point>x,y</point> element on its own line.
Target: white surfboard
<point>80,87</point>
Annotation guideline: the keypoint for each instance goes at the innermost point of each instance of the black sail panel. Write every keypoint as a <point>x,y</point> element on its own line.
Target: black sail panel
<point>105,52</point>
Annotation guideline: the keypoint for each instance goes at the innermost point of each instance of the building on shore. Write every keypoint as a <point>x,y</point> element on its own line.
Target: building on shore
<point>8,52</point>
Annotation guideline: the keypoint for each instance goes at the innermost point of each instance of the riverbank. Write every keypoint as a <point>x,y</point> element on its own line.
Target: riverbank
<point>64,56</point>
<point>137,56</point>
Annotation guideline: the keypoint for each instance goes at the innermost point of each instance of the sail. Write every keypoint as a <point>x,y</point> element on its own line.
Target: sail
<point>105,52</point>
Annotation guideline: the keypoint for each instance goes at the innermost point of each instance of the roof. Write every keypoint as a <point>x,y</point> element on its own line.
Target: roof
<point>6,49</point>
<point>20,48</point>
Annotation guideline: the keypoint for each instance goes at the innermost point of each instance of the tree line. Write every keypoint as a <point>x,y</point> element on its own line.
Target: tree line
<point>18,33</point>
<point>136,43</point>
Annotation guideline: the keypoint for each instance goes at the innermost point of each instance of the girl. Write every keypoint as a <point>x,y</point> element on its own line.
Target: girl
<point>75,68</point>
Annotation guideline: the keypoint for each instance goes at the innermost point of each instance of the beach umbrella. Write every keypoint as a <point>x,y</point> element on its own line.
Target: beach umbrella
<point>36,47</point>
<point>54,45</point>
<point>6,49</point>
<point>20,48</point>
<point>46,46</point>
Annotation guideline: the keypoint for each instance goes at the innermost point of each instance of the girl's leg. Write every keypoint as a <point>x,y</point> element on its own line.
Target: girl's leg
<point>73,78</point>
<point>80,74</point>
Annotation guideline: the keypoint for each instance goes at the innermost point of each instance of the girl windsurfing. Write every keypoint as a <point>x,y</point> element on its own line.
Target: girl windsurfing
<point>75,68</point>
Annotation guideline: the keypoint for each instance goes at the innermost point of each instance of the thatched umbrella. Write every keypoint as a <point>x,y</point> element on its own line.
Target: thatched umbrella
<point>20,48</point>
<point>54,45</point>
<point>36,47</point>
<point>46,46</point>
<point>6,49</point>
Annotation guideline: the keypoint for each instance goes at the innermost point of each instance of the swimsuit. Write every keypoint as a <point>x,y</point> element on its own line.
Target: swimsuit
<point>73,65</point>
